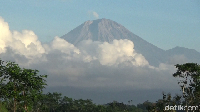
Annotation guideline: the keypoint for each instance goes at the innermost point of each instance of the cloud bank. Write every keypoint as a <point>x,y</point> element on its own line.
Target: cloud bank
<point>90,64</point>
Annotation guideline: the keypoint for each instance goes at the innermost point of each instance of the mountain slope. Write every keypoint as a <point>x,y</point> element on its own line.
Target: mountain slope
<point>106,30</point>
<point>190,55</point>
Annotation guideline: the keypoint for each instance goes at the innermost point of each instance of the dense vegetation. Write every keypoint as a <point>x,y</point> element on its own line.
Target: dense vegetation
<point>54,102</point>
<point>21,91</point>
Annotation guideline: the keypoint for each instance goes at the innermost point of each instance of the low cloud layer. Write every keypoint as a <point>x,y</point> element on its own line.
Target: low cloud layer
<point>90,64</point>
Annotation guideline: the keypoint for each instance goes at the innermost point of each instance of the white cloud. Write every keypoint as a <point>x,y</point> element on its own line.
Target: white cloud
<point>5,35</point>
<point>25,43</point>
<point>64,46</point>
<point>90,64</point>
<point>120,51</point>
<point>94,14</point>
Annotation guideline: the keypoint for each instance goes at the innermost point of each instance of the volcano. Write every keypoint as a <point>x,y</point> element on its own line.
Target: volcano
<point>106,30</point>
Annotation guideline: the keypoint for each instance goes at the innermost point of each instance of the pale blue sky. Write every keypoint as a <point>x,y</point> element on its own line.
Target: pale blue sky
<point>165,24</point>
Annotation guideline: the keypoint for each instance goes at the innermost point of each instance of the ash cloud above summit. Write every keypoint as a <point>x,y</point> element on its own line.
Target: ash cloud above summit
<point>96,54</point>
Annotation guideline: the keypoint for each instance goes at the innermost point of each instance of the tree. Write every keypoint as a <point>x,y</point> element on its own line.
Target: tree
<point>22,86</point>
<point>189,75</point>
<point>189,81</point>
<point>52,101</point>
<point>66,104</point>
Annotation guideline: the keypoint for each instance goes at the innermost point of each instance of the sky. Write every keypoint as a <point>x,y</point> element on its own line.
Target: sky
<point>30,33</point>
<point>166,24</point>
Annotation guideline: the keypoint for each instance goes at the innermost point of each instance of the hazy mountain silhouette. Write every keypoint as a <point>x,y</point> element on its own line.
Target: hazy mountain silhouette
<point>106,30</point>
<point>190,55</point>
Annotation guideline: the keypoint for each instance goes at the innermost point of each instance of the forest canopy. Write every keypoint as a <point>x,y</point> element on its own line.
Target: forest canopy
<point>21,90</point>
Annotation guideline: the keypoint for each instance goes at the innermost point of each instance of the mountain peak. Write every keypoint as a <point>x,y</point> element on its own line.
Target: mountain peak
<point>103,20</point>
<point>97,30</point>
<point>106,30</point>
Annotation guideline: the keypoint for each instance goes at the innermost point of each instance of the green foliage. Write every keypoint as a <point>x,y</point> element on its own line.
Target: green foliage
<point>189,75</point>
<point>159,106</point>
<point>20,86</point>
<point>189,81</point>
<point>49,102</point>
<point>54,102</point>
<point>3,108</point>
<point>21,91</point>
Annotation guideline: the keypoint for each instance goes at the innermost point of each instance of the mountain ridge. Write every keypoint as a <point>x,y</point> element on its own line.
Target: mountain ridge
<point>106,30</point>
